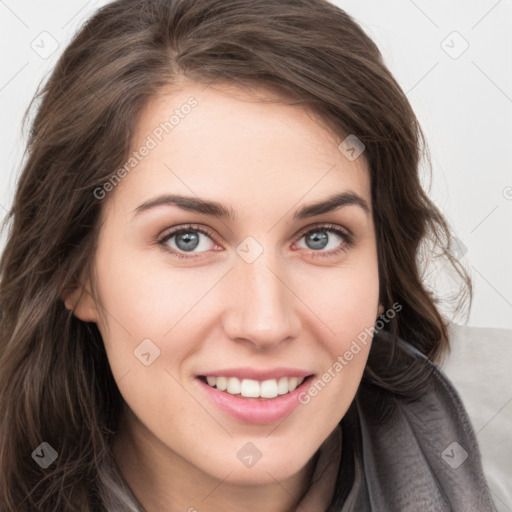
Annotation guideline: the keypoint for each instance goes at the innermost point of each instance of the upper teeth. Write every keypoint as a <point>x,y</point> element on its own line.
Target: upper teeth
<point>253,388</point>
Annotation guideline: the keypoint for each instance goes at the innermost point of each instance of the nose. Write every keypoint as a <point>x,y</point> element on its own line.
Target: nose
<point>262,305</point>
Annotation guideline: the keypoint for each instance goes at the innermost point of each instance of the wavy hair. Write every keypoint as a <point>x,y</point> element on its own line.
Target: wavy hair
<point>55,381</point>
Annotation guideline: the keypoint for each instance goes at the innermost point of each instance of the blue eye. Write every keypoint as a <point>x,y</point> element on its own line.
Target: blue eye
<point>187,239</point>
<point>320,236</point>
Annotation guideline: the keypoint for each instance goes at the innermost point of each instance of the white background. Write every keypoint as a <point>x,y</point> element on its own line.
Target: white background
<point>464,105</point>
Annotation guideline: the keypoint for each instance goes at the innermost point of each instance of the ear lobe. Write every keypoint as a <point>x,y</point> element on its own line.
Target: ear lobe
<point>81,303</point>
<point>381,309</point>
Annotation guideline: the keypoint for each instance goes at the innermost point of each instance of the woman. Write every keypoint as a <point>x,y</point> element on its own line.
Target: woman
<point>211,290</point>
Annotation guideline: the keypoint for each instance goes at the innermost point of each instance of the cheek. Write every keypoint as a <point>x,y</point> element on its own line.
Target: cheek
<point>346,303</point>
<point>345,300</point>
<point>147,298</point>
<point>356,307</point>
<point>152,308</point>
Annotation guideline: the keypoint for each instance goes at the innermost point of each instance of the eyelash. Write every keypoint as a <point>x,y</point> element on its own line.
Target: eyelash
<point>332,228</point>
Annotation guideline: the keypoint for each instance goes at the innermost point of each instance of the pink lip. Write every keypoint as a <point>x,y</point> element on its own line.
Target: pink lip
<point>256,410</point>
<point>261,375</point>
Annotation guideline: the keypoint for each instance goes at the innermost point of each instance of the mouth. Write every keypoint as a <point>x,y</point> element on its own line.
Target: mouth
<point>253,401</point>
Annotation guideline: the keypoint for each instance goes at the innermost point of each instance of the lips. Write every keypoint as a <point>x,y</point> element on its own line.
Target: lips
<point>259,410</point>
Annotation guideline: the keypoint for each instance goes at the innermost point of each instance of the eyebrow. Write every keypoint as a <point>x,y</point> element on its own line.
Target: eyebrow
<point>221,211</point>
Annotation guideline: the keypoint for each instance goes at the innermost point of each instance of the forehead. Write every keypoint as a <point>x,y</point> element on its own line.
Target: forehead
<point>249,147</point>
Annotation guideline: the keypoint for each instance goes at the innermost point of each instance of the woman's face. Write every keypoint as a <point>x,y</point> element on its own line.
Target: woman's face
<point>253,296</point>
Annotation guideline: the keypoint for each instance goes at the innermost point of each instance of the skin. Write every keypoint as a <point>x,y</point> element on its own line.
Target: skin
<point>265,160</point>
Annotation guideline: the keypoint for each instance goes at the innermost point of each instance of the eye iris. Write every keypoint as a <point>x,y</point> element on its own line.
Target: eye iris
<point>191,240</point>
<point>319,239</point>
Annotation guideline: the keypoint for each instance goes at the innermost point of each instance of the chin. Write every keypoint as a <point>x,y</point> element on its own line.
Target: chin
<point>278,466</point>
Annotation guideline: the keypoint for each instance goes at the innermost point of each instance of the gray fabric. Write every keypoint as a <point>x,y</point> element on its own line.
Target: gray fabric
<point>409,462</point>
<point>396,455</point>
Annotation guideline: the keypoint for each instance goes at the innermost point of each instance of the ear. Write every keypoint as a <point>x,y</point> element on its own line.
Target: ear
<point>381,309</point>
<point>80,301</point>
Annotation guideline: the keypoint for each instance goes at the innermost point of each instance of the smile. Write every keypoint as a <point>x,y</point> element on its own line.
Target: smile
<point>254,401</point>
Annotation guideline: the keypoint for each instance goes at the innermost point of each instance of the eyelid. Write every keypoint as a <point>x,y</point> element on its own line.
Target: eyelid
<point>327,226</point>
<point>169,233</point>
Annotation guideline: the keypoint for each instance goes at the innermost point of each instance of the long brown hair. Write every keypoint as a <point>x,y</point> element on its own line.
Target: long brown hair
<point>55,382</point>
